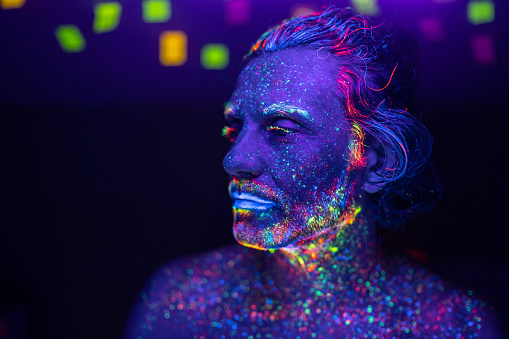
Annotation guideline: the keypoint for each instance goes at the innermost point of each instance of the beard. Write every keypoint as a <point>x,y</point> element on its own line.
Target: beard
<point>293,220</point>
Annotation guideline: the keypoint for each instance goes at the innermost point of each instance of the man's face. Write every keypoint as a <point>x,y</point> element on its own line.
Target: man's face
<point>289,163</point>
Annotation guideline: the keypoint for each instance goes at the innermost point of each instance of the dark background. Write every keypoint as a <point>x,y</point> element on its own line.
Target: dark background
<point>111,162</point>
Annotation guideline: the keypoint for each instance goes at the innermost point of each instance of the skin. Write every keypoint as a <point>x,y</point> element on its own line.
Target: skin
<point>291,147</point>
<point>320,272</point>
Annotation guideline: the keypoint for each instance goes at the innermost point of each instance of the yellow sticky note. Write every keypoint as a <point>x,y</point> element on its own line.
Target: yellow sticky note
<point>173,48</point>
<point>8,4</point>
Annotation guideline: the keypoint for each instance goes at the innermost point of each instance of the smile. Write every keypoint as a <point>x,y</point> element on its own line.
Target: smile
<point>247,201</point>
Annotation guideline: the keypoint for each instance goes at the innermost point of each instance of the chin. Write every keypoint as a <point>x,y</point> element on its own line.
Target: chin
<point>276,228</point>
<point>263,236</point>
<point>260,232</point>
<point>266,237</point>
<point>263,230</point>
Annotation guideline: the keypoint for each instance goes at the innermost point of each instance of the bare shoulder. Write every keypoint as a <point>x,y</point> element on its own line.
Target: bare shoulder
<point>186,289</point>
<point>436,306</point>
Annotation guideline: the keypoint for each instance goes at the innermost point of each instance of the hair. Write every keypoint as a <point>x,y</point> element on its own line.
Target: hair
<point>375,76</point>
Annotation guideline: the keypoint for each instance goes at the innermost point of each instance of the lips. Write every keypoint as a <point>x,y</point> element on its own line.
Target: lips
<point>248,201</point>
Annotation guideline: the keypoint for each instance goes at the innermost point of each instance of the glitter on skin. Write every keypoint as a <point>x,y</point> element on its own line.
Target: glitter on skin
<point>282,108</point>
<point>318,272</point>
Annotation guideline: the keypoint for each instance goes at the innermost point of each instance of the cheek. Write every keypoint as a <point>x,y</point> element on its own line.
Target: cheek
<point>304,171</point>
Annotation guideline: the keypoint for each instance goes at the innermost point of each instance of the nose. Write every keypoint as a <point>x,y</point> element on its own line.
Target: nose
<point>244,160</point>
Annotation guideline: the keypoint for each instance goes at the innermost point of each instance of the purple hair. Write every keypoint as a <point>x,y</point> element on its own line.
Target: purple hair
<point>375,77</point>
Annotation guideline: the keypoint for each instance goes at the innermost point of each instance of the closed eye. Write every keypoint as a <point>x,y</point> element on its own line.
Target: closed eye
<point>279,131</point>
<point>283,127</point>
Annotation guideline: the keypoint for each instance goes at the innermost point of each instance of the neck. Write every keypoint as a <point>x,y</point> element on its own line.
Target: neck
<point>350,250</point>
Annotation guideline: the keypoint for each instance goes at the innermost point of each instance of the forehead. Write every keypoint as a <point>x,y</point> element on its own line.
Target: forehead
<point>294,77</point>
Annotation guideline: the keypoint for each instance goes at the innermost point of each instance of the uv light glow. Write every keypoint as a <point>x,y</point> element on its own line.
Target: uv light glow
<point>156,11</point>
<point>70,38</point>
<point>481,12</point>
<point>107,16</point>
<point>10,4</point>
<point>215,56</point>
<point>173,48</point>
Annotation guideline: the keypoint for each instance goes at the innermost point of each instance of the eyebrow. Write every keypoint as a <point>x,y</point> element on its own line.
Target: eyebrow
<point>230,111</point>
<point>287,110</point>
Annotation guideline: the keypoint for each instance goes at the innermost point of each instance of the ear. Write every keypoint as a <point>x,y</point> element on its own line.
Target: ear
<point>375,158</point>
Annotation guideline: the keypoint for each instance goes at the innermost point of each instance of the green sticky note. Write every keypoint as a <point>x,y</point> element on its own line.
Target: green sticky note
<point>366,7</point>
<point>107,16</point>
<point>156,10</point>
<point>70,38</point>
<point>481,12</point>
<point>215,56</point>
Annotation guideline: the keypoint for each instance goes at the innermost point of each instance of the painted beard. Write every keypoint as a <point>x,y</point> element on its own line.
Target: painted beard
<point>267,218</point>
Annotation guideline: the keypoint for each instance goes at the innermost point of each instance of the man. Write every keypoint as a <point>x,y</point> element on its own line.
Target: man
<point>323,149</point>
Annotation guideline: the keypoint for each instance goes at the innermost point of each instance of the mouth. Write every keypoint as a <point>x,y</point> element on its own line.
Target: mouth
<point>251,202</point>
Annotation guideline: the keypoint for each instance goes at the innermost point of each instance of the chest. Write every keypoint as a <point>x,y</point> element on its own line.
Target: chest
<point>282,313</point>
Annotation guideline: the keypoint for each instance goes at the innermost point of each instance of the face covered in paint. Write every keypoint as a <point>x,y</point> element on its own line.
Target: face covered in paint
<point>290,162</point>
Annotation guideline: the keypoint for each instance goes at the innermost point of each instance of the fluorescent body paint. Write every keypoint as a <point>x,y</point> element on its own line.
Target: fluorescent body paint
<point>282,109</point>
<point>288,143</point>
<point>311,265</point>
<point>248,201</point>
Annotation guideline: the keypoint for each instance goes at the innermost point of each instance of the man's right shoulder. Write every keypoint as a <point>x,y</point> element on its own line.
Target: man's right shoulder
<point>184,288</point>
